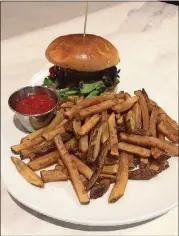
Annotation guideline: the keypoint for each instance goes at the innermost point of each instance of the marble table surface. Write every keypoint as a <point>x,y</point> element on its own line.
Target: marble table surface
<point>27,28</point>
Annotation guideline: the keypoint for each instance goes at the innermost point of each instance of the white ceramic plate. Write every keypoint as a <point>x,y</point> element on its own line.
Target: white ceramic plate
<point>142,200</point>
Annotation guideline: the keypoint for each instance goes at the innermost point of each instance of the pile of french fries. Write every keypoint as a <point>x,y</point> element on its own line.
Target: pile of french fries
<point>94,142</point>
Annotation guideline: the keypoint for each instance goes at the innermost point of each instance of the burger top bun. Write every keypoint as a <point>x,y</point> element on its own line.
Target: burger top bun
<point>89,53</point>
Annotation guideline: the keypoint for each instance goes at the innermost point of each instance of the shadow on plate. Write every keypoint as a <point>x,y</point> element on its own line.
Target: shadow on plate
<point>18,124</point>
<point>78,226</point>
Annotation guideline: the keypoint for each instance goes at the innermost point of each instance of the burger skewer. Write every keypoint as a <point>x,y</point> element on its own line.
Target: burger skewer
<point>86,16</point>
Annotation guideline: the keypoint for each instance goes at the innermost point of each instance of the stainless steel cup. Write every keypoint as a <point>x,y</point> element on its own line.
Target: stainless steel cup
<point>33,122</point>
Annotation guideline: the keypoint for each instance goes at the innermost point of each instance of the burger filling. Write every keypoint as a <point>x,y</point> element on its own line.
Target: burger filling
<point>68,82</point>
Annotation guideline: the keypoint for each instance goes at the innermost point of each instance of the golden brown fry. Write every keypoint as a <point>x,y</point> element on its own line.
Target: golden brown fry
<point>58,130</point>
<point>130,121</point>
<point>38,150</point>
<point>82,168</point>
<point>110,169</point>
<point>124,106</point>
<point>32,135</point>
<point>79,100</point>
<point>85,129</point>
<point>73,171</point>
<point>83,144</point>
<point>27,144</point>
<point>27,173</point>
<point>60,162</point>
<point>53,175</point>
<point>76,127</point>
<point>44,161</point>
<point>94,146</point>
<point>146,141</point>
<point>166,129</point>
<point>87,103</point>
<point>97,108</point>
<point>55,122</point>
<point>138,115</point>
<point>147,99</point>
<point>127,95</point>
<point>72,98</point>
<point>144,109</point>
<point>143,152</point>
<point>122,179</point>
<point>161,136</point>
<point>113,135</point>
<point>71,144</point>
<point>105,132</point>
<point>84,179</point>
<point>67,105</point>
<point>153,121</point>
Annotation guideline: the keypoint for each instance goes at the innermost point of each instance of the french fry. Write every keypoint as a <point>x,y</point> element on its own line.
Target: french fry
<point>83,144</point>
<point>73,171</point>
<point>76,127</point>
<point>122,179</point>
<point>84,180</point>
<point>27,173</point>
<point>97,108</point>
<point>44,161</point>
<point>94,146</point>
<point>87,103</point>
<point>38,150</point>
<point>72,98</point>
<point>53,175</point>
<point>100,164</point>
<point>110,169</point>
<point>143,152</point>
<point>79,100</point>
<point>85,129</point>
<point>138,115</point>
<point>71,144</point>
<point>147,99</point>
<point>113,135</point>
<point>27,144</point>
<point>146,141</point>
<point>55,122</point>
<point>32,135</point>
<point>144,109</point>
<point>58,130</point>
<point>110,160</point>
<point>112,178</point>
<point>130,121</point>
<point>166,129</point>
<point>127,95</point>
<point>159,154</point>
<point>60,162</point>
<point>153,122</point>
<point>124,106</point>
<point>105,132</point>
<point>82,168</point>
<point>67,105</point>
<point>161,136</point>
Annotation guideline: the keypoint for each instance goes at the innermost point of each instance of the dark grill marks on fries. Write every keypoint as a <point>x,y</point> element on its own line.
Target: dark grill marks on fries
<point>122,178</point>
<point>98,141</point>
<point>73,172</point>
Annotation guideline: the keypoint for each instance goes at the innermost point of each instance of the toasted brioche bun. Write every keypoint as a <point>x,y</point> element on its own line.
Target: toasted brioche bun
<point>89,53</point>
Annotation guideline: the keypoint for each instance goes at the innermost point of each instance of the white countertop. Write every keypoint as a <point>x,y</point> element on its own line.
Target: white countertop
<point>143,29</point>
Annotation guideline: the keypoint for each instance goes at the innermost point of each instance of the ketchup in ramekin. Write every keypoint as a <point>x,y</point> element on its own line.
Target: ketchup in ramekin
<point>35,104</point>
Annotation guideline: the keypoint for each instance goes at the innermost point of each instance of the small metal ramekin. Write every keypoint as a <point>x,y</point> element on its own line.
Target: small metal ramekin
<point>37,121</point>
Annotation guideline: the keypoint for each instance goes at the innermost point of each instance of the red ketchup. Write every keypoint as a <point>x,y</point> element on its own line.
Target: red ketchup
<point>35,104</point>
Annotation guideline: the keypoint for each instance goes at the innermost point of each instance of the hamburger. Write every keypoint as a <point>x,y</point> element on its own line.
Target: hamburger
<point>83,66</point>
